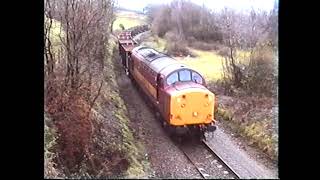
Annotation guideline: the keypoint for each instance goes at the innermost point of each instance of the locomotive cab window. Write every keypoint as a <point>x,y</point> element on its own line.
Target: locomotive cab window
<point>173,78</point>
<point>196,78</point>
<point>184,75</point>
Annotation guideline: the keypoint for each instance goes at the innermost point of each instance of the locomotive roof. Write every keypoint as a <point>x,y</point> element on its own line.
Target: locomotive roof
<point>165,65</point>
<point>157,61</point>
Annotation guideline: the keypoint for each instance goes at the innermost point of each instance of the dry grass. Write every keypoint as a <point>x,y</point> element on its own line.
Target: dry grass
<point>256,128</point>
<point>208,63</point>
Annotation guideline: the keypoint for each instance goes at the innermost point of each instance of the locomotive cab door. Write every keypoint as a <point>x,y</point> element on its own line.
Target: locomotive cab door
<point>161,99</point>
<point>159,86</point>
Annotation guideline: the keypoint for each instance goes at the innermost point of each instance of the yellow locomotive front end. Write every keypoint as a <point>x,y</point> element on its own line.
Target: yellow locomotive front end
<point>193,106</point>
<point>190,106</point>
<point>192,110</point>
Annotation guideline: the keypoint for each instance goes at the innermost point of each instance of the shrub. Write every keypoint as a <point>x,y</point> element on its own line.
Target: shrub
<point>202,45</point>
<point>50,137</point>
<point>176,46</point>
<point>74,128</point>
<point>260,77</point>
<point>224,52</point>
<point>121,26</point>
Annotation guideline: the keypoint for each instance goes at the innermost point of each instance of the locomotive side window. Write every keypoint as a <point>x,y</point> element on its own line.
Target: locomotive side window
<point>172,78</point>
<point>196,78</point>
<point>184,75</point>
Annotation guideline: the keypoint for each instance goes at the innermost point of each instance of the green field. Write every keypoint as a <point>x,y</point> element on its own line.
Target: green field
<point>128,19</point>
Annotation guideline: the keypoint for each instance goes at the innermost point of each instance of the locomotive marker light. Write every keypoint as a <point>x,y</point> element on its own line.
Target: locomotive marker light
<point>195,114</point>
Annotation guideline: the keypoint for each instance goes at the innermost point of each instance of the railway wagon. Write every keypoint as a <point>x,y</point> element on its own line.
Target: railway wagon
<point>125,44</point>
<point>178,92</point>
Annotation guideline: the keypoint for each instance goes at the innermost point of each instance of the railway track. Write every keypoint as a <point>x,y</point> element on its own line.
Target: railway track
<point>203,175</point>
<point>207,162</point>
<point>221,160</point>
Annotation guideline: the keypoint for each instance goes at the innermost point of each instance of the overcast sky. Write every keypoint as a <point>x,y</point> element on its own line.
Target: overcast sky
<point>212,4</point>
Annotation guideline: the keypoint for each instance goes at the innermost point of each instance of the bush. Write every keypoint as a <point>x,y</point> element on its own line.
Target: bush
<point>50,138</point>
<point>175,46</point>
<point>70,114</point>
<point>121,26</point>
<point>203,45</point>
<point>224,51</point>
<point>260,77</point>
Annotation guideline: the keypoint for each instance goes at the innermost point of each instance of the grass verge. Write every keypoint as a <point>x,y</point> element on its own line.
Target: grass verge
<point>256,132</point>
<point>134,149</point>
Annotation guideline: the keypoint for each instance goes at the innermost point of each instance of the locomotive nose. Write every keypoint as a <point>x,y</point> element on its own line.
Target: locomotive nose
<point>192,106</point>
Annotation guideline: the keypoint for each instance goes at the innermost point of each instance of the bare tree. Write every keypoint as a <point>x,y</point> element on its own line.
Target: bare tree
<point>177,10</point>
<point>229,23</point>
<point>185,19</point>
<point>74,68</point>
<point>85,27</point>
